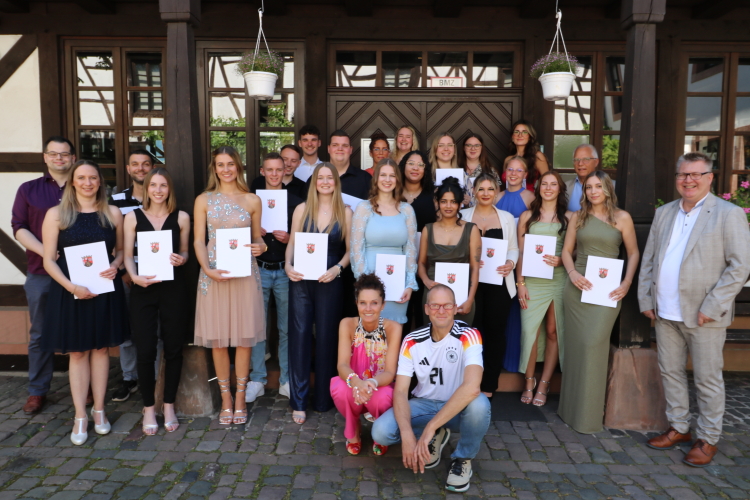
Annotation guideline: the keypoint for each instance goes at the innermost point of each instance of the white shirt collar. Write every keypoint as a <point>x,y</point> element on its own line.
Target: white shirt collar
<point>697,205</point>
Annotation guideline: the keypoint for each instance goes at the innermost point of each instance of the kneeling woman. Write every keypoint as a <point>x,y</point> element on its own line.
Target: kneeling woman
<point>153,301</point>
<point>366,365</point>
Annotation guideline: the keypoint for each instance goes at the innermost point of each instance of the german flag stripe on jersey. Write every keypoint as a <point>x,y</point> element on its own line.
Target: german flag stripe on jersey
<point>407,345</point>
<point>471,337</point>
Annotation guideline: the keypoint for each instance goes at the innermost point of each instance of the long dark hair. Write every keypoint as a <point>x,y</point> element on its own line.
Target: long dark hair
<point>529,152</point>
<point>450,185</point>
<point>427,184</point>
<point>484,161</point>
<point>560,208</point>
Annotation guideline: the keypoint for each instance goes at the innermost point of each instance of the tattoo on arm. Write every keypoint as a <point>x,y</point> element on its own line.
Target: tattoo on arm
<point>478,254</point>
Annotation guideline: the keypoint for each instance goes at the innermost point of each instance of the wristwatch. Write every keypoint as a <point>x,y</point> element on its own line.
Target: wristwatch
<point>341,268</point>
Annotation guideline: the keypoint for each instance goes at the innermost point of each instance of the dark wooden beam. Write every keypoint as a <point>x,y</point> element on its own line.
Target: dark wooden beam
<point>713,9</point>
<point>14,6</point>
<point>13,296</point>
<point>12,251</point>
<point>15,57</point>
<point>612,11</point>
<point>275,8</point>
<point>358,8</point>
<point>97,6</point>
<point>447,8</point>
<point>537,9</point>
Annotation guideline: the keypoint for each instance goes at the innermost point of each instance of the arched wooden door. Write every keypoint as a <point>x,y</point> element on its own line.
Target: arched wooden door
<point>362,113</point>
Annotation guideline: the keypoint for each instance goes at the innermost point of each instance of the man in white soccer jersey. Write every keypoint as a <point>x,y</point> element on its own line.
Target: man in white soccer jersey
<point>446,356</point>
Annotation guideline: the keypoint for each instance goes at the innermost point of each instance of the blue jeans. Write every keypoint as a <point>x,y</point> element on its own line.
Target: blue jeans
<point>278,283</point>
<point>472,423</point>
<point>41,364</point>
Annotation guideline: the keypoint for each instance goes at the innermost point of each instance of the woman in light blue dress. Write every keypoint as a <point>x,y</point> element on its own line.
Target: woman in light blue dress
<point>384,224</point>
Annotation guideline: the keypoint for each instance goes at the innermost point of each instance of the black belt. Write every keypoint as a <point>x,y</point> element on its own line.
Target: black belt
<point>271,266</point>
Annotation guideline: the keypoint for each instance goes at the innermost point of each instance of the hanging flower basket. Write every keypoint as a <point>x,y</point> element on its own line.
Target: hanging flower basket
<point>260,68</point>
<point>557,70</point>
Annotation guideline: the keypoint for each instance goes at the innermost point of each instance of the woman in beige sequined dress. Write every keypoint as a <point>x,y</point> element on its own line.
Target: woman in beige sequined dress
<point>229,311</point>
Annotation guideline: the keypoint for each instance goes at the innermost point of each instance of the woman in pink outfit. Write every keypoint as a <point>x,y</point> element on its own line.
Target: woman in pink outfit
<point>366,364</point>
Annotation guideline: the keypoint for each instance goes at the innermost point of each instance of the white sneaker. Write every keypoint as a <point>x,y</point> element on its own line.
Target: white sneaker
<point>284,390</point>
<point>253,391</point>
<point>459,475</point>
<point>436,446</point>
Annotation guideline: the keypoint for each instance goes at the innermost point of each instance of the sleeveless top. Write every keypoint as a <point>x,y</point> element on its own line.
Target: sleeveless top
<point>86,229</point>
<point>336,244</point>
<point>170,223</point>
<point>512,203</point>
<point>369,350</point>
<point>597,238</point>
<point>459,253</point>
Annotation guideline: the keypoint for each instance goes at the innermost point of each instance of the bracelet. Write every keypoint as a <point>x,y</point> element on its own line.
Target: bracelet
<point>521,283</point>
<point>73,292</point>
<point>374,380</point>
<point>349,379</point>
<point>341,268</point>
<point>571,270</point>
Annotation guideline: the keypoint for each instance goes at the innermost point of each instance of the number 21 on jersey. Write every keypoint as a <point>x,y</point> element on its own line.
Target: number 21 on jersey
<point>436,373</point>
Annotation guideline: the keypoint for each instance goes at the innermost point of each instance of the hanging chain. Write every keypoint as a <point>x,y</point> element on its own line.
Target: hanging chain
<point>260,34</point>
<point>559,37</point>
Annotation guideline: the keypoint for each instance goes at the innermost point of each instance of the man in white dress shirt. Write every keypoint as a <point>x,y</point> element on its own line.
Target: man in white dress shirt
<point>309,141</point>
<point>696,261</point>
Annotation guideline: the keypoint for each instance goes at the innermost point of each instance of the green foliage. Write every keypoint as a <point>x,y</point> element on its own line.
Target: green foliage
<point>610,151</point>
<point>555,62</point>
<point>270,62</point>
<point>659,203</point>
<point>235,138</point>
<point>741,197</point>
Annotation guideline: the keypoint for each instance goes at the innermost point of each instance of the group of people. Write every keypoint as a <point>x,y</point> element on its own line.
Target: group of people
<point>360,363</point>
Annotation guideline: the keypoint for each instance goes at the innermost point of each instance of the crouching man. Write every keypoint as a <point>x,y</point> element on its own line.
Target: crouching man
<point>446,356</point>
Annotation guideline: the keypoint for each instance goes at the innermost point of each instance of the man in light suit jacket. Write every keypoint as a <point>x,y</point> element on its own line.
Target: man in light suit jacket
<point>696,261</point>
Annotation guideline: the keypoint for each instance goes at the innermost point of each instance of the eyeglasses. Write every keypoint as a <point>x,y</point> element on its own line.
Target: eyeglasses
<point>516,170</point>
<point>381,150</point>
<point>447,145</point>
<point>53,154</point>
<point>446,307</point>
<point>473,146</point>
<point>693,175</point>
<point>583,160</point>
<point>415,164</point>
<point>520,132</point>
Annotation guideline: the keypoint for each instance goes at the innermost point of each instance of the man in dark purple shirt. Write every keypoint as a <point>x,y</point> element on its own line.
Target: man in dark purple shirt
<point>33,199</point>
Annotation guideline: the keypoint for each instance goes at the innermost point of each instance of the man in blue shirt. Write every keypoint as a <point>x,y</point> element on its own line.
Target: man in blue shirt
<point>585,161</point>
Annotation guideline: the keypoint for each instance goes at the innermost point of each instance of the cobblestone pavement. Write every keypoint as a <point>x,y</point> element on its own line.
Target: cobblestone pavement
<point>273,458</point>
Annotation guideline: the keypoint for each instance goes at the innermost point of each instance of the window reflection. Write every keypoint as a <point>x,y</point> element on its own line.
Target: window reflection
<point>574,113</point>
<point>709,145</point>
<point>584,75</point>
<point>703,113</point>
<point>565,146</point>
<point>144,69</point>
<point>222,71</point>
<point>444,65</point>
<point>94,69</point>
<point>402,69</point>
<point>743,75</point>
<point>355,68</point>
<point>705,74</point>
<point>741,156</point>
<point>612,112</point>
<point>615,76</point>
<point>493,69</point>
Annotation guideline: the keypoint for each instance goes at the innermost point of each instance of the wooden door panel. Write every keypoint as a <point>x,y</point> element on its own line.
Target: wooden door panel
<point>362,113</point>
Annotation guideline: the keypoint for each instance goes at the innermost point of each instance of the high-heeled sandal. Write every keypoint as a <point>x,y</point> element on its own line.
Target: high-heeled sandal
<point>527,400</point>
<point>171,426</point>
<point>148,429</point>
<point>242,417</point>
<point>299,417</point>
<point>79,438</point>
<point>105,426</point>
<point>379,449</point>
<point>225,419</point>
<point>540,393</point>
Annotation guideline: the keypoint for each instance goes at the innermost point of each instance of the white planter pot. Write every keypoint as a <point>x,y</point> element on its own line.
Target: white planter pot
<point>557,86</point>
<point>260,84</point>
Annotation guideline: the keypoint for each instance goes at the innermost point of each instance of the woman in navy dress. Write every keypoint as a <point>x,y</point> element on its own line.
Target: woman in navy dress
<point>85,328</point>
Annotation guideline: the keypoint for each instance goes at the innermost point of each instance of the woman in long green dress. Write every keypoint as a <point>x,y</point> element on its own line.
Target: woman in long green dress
<point>598,229</point>
<point>542,299</point>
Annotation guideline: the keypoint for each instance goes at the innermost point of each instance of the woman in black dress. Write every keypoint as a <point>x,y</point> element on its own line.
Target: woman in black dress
<point>88,327</point>
<point>154,302</point>
<point>419,192</point>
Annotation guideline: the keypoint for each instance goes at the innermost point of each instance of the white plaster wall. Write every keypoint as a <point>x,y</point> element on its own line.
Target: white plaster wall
<point>9,183</point>
<point>20,102</point>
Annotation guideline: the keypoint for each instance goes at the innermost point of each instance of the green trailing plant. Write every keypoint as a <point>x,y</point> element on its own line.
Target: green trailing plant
<point>265,60</point>
<point>740,197</point>
<point>555,62</point>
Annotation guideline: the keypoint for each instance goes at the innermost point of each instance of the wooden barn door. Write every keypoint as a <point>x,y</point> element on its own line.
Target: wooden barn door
<point>362,113</point>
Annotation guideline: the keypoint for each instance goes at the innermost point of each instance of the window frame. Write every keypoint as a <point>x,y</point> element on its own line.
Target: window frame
<point>388,46</point>
<point>726,175</point>
<point>599,52</point>
<point>252,112</point>
<point>119,47</point>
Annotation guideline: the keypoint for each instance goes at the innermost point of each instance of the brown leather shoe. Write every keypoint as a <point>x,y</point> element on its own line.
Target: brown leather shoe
<point>34,404</point>
<point>701,454</point>
<point>89,398</point>
<point>669,440</point>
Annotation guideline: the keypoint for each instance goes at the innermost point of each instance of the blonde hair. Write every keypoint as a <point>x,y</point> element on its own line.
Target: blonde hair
<point>338,208</point>
<point>69,206</point>
<point>414,142</point>
<point>171,196</point>
<point>398,190</point>
<point>433,152</point>
<point>213,178</point>
<point>610,202</point>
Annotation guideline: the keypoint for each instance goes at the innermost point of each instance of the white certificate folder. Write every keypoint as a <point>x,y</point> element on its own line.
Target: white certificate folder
<point>274,213</point>
<point>454,276</point>
<point>85,262</point>
<point>605,276</point>
<point>535,247</point>
<point>154,249</point>
<point>494,251</point>
<point>391,269</point>
<point>231,253</point>
<point>311,254</point>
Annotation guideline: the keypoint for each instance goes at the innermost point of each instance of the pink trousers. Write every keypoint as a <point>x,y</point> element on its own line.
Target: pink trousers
<point>379,403</point>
